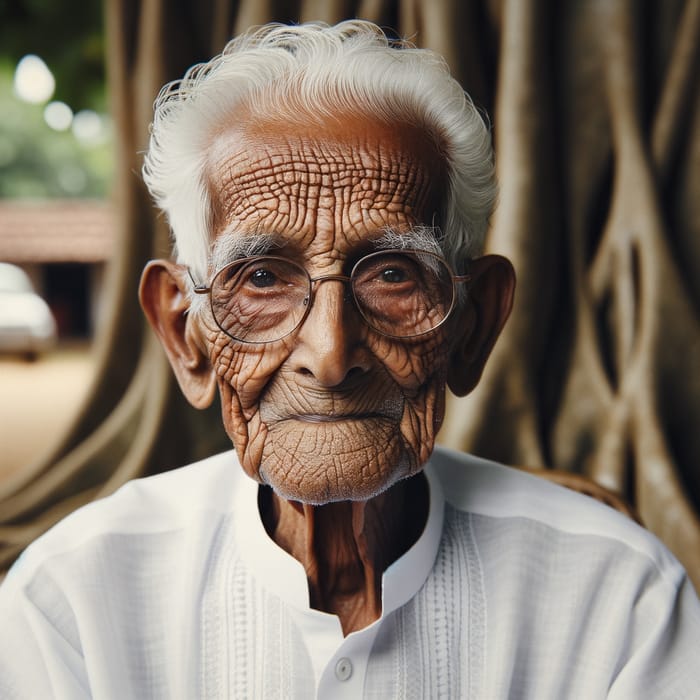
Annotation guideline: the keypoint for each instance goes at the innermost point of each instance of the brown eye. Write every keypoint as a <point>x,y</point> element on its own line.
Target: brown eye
<point>262,278</point>
<point>386,270</point>
<point>393,275</point>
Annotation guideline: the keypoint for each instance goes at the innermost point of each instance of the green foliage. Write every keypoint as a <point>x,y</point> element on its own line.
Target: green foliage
<point>68,35</point>
<point>35,160</point>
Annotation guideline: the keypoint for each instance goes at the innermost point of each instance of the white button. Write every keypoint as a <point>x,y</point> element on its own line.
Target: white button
<point>343,669</point>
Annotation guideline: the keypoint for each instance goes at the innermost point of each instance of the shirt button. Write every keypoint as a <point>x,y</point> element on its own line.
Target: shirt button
<point>343,669</point>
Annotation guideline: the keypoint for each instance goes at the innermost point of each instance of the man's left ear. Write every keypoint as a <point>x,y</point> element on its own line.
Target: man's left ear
<point>480,320</point>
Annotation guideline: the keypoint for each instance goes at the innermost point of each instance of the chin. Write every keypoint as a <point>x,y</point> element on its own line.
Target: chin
<point>317,481</point>
<point>318,494</point>
<point>326,462</point>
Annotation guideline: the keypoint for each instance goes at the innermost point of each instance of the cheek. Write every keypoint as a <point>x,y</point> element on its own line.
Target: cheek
<point>422,418</point>
<point>420,371</point>
<point>245,370</point>
<point>412,366</point>
<point>243,373</point>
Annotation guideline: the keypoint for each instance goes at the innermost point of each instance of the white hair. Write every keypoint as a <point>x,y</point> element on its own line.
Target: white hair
<point>321,72</point>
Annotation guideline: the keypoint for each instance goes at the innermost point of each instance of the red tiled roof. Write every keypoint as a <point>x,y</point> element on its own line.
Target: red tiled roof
<point>60,230</point>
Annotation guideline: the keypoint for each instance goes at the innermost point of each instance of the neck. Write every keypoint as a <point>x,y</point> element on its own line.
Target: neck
<point>345,547</point>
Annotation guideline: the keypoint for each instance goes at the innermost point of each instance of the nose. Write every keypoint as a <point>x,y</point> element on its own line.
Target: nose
<point>328,344</point>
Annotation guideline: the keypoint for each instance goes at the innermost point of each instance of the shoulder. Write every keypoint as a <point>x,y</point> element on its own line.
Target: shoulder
<point>566,583</point>
<point>514,501</point>
<point>143,509</point>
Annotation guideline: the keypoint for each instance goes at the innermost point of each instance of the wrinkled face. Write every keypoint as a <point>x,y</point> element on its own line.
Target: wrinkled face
<point>334,411</point>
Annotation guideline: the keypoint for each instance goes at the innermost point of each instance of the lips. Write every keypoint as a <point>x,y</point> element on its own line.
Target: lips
<point>286,398</point>
<point>334,417</point>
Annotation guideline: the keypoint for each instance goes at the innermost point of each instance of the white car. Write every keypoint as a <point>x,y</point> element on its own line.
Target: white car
<point>27,325</point>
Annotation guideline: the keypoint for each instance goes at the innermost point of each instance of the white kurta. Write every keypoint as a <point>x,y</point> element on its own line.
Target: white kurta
<point>517,588</point>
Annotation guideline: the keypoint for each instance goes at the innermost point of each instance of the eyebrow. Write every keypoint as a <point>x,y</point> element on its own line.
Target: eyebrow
<point>232,245</point>
<point>423,238</point>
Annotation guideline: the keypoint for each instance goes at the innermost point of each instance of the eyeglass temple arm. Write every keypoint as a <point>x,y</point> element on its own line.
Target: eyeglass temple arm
<point>197,288</point>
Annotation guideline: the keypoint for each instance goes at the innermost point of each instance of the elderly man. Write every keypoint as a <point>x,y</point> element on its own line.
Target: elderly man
<point>328,194</point>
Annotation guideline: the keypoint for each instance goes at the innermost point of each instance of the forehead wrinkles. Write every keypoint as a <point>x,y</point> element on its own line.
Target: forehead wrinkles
<point>311,187</point>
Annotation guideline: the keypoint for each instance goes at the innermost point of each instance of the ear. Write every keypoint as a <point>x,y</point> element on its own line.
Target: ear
<point>485,311</point>
<point>163,297</point>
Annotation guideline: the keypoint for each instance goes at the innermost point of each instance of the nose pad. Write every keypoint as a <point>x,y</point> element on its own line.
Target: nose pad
<point>328,344</point>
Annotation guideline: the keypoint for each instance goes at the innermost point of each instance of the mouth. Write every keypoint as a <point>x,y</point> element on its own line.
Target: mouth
<point>334,417</point>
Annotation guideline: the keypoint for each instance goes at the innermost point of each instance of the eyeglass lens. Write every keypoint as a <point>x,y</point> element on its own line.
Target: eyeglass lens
<point>399,294</point>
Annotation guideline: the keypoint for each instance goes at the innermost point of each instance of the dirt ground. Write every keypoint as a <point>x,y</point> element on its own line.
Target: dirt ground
<point>38,400</point>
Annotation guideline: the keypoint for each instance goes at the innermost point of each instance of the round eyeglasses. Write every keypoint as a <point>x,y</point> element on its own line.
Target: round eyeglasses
<point>399,293</point>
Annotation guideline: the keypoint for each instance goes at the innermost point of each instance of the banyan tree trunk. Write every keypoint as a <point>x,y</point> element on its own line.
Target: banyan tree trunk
<point>595,106</point>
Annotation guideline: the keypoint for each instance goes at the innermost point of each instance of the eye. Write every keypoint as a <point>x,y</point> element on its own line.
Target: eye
<point>393,275</point>
<point>393,272</point>
<point>263,277</point>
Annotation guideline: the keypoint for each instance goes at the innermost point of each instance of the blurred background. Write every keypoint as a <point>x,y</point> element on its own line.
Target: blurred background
<point>56,217</point>
<point>595,113</point>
